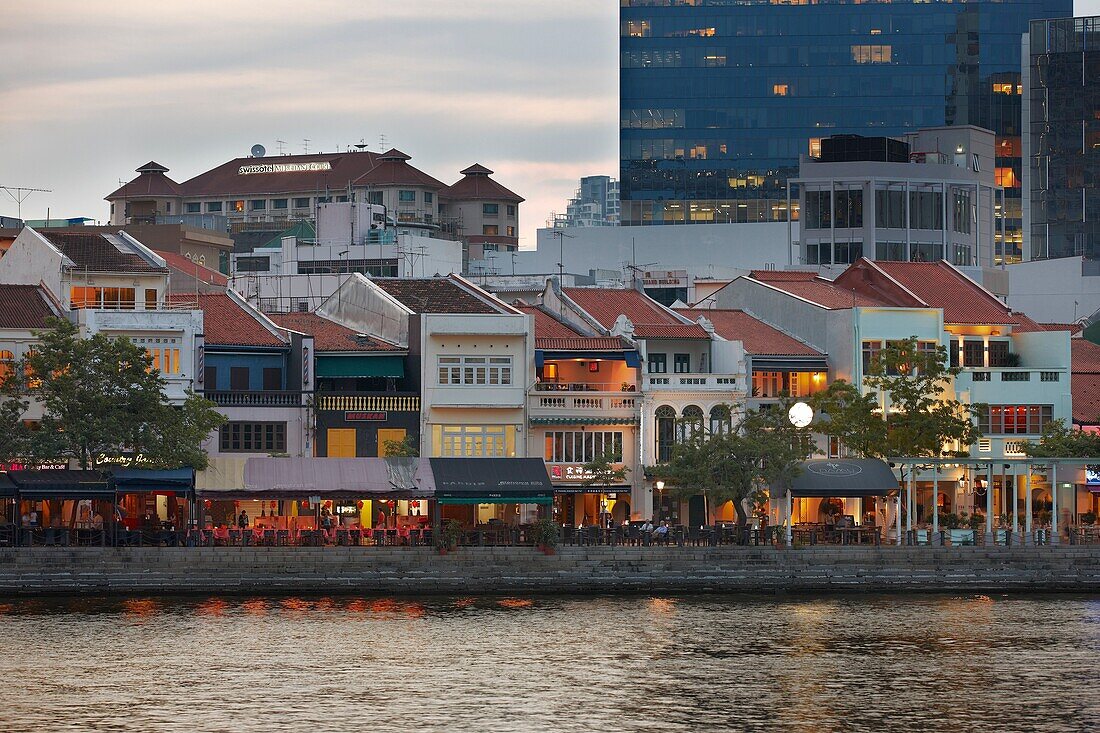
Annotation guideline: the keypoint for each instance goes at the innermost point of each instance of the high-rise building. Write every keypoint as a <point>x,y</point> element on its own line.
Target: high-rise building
<point>1062,137</point>
<point>719,99</point>
<point>595,203</point>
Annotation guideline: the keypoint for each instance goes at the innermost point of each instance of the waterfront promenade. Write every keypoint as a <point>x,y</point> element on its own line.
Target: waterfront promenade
<point>483,570</point>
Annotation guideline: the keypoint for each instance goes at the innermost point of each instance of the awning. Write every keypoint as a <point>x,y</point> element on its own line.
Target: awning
<point>223,478</point>
<point>61,484</point>
<point>358,365</point>
<point>492,481</point>
<point>844,478</point>
<point>567,489</point>
<point>140,481</point>
<point>7,488</point>
<point>342,478</point>
<point>790,364</point>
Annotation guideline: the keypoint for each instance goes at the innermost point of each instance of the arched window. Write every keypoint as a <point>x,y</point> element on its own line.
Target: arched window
<point>666,432</point>
<point>691,424</point>
<point>721,419</point>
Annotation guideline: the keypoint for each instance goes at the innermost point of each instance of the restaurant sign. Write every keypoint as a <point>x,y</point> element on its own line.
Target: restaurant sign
<point>369,416</point>
<point>568,472</point>
<point>247,170</point>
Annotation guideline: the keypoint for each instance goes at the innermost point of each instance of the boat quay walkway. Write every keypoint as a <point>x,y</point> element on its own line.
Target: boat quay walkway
<point>509,570</point>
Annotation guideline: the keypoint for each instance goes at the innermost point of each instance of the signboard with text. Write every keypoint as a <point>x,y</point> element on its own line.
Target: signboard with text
<point>365,416</point>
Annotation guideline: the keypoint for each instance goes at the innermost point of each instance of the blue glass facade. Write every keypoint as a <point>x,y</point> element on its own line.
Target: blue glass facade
<point>720,97</point>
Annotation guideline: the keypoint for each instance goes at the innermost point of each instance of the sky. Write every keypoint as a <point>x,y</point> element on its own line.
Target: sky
<point>91,90</point>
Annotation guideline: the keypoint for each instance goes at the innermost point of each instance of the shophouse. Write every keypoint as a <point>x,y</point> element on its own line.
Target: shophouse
<point>24,310</point>
<point>692,380</point>
<point>113,284</point>
<point>584,409</point>
<point>366,398</point>
<point>1010,364</point>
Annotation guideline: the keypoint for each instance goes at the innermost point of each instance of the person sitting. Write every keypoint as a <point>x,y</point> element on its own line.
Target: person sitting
<point>660,534</point>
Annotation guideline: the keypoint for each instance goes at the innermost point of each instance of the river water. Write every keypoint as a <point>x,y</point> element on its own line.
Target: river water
<point>634,663</point>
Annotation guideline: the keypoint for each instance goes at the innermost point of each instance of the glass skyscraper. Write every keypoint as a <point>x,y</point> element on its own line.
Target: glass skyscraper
<point>719,98</point>
<point>1063,123</point>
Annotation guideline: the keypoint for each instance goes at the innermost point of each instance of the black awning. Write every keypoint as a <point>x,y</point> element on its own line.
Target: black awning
<point>7,488</point>
<point>61,484</point>
<point>790,364</point>
<point>492,481</point>
<point>844,478</point>
<point>140,481</point>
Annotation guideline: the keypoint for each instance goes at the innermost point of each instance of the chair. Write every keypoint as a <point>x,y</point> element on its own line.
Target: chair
<point>414,537</point>
<point>378,536</point>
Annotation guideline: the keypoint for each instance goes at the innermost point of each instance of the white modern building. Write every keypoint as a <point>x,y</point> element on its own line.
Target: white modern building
<point>595,203</point>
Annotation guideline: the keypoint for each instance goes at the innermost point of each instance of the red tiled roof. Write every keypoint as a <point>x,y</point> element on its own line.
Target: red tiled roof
<point>203,273</point>
<point>1085,357</point>
<point>329,335</point>
<point>814,288</point>
<point>670,331</point>
<point>942,286</point>
<point>1071,327</point>
<point>25,307</point>
<point>151,181</point>
<point>476,185</point>
<point>394,170</point>
<point>1085,382</point>
<point>607,304</point>
<point>226,323</point>
<point>97,253</point>
<point>758,337</point>
<point>583,343</point>
<point>226,179</point>
<point>1025,324</point>
<point>546,326</point>
<point>436,295</point>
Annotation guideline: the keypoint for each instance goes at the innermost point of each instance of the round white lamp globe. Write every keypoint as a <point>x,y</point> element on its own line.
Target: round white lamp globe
<point>800,414</point>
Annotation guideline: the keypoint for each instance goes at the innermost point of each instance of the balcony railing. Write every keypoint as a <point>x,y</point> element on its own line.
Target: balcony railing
<point>591,402</point>
<point>368,402</point>
<point>584,387</point>
<point>996,375</point>
<point>695,381</point>
<point>255,399</point>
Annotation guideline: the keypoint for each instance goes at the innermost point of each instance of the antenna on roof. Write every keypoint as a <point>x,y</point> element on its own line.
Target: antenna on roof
<point>19,194</point>
<point>305,145</point>
<point>382,141</point>
<point>281,144</point>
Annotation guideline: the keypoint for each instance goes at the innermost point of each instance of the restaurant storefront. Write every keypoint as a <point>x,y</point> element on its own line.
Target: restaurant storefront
<point>492,492</point>
<point>850,494</point>
<point>154,499</point>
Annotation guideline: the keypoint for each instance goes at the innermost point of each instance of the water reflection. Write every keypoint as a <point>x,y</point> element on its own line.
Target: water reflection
<point>900,663</point>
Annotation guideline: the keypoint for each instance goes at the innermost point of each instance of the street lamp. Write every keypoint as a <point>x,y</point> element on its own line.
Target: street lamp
<point>800,414</point>
<point>660,495</point>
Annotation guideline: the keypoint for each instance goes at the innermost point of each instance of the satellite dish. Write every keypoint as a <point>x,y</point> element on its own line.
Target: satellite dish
<point>258,151</point>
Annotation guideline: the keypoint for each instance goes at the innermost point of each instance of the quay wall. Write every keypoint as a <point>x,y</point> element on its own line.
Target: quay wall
<point>483,570</point>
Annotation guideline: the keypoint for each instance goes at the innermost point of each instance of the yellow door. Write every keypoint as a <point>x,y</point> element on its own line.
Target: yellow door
<point>341,442</point>
<point>386,435</point>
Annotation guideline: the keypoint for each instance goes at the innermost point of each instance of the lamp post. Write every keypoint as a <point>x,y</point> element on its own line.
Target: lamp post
<point>660,498</point>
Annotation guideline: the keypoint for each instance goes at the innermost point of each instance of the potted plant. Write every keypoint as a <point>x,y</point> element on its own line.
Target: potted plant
<point>545,534</point>
<point>1088,518</point>
<point>449,535</point>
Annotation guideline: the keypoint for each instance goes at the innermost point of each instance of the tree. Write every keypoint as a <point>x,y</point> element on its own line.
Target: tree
<point>762,451</point>
<point>14,435</point>
<point>601,471</point>
<point>407,447</point>
<point>102,398</point>
<point>921,417</point>
<point>1060,441</point>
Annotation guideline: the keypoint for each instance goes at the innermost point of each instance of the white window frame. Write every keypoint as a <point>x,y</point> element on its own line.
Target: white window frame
<point>474,371</point>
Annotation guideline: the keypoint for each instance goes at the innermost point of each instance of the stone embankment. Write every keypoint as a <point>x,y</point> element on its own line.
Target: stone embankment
<point>524,570</point>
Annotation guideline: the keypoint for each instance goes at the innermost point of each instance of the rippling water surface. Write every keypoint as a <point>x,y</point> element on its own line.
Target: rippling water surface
<point>881,663</point>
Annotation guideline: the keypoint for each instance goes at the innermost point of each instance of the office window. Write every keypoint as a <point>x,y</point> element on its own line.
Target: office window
<point>721,420</point>
<point>665,418</point>
<point>210,378</point>
<point>510,231</point>
<point>681,363</point>
<point>690,425</point>
<point>779,90</point>
<point>257,204</point>
<point>213,207</point>
<point>475,370</point>
<point>406,197</point>
<point>490,230</point>
<point>872,54</point>
<point>342,199</point>
<point>374,197</point>
<point>490,209</point>
<point>301,203</point>
<point>579,446</point>
<point>658,364</point>
<point>871,352</point>
<point>166,360</point>
<point>193,208</point>
<point>954,352</point>
<point>767,384</point>
<point>279,203</point>
<point>1015,419</point>
<point>237,207</point>
<point>890,208</point>
<point>107,298</point>
<point>253,437</point>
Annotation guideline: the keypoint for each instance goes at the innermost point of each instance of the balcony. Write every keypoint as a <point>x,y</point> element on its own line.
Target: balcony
<point>562,400</point>
<point>256,399</point>
<point>694,382</point>
<point>369,402</point>
<point>988,384</point>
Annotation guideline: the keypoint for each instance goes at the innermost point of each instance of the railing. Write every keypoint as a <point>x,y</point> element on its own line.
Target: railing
<point>368,402</point>
<point>584,387</point>
<point>1012,374</point>
<point>255,399</point>
<point>585,403</point>
<point>720,382</point>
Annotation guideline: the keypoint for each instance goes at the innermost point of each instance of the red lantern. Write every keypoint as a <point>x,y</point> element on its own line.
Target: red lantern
<point>359,503</point>
<point>207,503</point>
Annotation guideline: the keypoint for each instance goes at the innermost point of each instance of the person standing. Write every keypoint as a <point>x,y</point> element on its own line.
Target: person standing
<point>242,520</point>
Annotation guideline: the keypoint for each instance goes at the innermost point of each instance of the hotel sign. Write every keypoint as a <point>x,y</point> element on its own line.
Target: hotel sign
<point>371,416</point>
<point>247,170</point>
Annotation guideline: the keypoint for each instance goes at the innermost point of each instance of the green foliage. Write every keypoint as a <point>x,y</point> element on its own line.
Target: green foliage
<point>101,398</point>
<point>601,471</point>
<point>449,535</point>
<point>14,436</point>
<point>763,450</point>
<point>407,447</point>
<point>544,532</point>
<point>852,418</point>
<point>1060,441</point>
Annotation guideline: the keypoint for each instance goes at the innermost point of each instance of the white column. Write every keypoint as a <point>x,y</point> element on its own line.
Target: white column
<point>1015,503</point>
<point>909,500</point>
<point>1053,503</point>
<point>898,512</point>
<point>989,503</point>
<point>790,514</point>
<point>935,499</point>
<point>1027,501</point>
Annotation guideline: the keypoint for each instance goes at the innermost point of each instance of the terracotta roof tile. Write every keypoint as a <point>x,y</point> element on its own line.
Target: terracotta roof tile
<point>226,178</point>
<point>25,307</point>
<point>394,170</point>
<point>583,343</point>
<point>476,185</point>
<point>435,295</point>
<point>814,288</point>
<point>151,181</point>
<point>178,262</point>
<point>607,304</point>
<point>97,253</point>
<point>1085,356</point>
<point>546,326</point>
<point>329,335</point>
<point>758,337</point>
<point>670,331</point>
<point>942,286</point>
<point>226,323</point>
